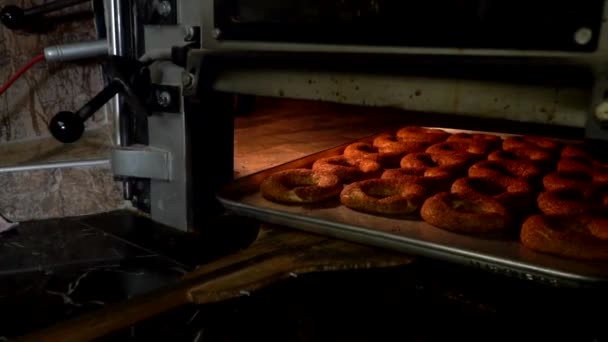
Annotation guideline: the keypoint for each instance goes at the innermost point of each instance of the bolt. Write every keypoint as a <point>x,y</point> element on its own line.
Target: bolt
<point>583,35</point>
<point>601,112</point>
<point>190,33</point>
<point>163,98</point>
<point>164,8</point>
<point>217,33</point>
<point>187,79</point>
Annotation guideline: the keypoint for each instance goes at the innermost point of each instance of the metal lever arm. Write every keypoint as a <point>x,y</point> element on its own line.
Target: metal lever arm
<point>16,18</point>
<point>68,127</point>
<point>126,76</point>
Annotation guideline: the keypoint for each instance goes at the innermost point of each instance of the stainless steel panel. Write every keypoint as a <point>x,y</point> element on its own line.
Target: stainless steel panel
<point>212,41</point>
<point>141,162</point>
<point>556,104</point>
<point>169,199</point>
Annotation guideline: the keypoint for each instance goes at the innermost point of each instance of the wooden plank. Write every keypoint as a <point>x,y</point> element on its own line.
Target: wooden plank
<point>275,255</point>
<point>286,254</point>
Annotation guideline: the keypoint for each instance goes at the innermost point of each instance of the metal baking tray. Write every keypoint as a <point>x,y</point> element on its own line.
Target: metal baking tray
<point>411,235</point>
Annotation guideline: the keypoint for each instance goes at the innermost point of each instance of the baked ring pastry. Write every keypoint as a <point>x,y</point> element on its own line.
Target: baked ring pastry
<point>567,202</point>
<point>514,193</point>
<point>525,142</point>
<point>465,213</point>
<point>346,170</point>
<point>534,154</point>
<point>388,143</point>
<point>300,186</point>
<point>576,151</point>
<point>360,150</point>
<point>506,168</point>
<point>600,176</point>
<point>434,179</point>
<point>472,138</point>
<point>457,147</point>
<point>567,236</point>
<point>574,165</point>
<point>383,196</point>
<point>593,152</point>
<point>421,134</point>
<point>420,162</point>
<point>489,141</point>
<point>564,181</point>
<point>599,227</point>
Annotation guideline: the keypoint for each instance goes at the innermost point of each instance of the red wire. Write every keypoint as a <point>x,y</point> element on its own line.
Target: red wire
<point>20,72</point>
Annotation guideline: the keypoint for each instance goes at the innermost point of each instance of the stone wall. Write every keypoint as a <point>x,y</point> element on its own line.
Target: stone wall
<point>24,139</point>
<point>52,193</point>
<point>46,89</point>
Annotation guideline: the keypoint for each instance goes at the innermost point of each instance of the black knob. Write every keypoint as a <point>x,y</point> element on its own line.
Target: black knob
<point>12,17</point>
<point>66,127</point>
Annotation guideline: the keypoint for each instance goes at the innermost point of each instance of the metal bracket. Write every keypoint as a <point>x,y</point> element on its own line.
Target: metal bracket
<point>142,162</point>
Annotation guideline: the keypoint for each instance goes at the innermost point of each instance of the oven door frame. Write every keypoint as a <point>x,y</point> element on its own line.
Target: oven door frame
<point>212,40</point>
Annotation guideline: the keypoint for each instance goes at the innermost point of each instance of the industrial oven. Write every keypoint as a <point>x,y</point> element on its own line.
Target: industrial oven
<point>184,69</point>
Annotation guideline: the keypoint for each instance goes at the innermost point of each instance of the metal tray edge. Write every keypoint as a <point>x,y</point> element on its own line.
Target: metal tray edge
<point>406,245</point>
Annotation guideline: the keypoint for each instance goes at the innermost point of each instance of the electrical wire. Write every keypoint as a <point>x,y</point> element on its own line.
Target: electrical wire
<point>20,73</point>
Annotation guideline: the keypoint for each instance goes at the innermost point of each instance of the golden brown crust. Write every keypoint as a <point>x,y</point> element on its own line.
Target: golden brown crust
<point>567,236</point>
<point>565,181</point>
<point>346,170</point>
<point>383,196</point>
<point>300,186</point>
<point>421,134</point>
<point>567,202</point>
<point>465,213</point>
<point>514,193</point>
<point>506,168</point>
<point>420,162</point>
<point>388,143</point>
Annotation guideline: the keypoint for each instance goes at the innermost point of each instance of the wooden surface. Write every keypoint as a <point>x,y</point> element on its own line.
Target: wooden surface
<point>283,130</point>
<point>275,255</point>
<point>279,254</point>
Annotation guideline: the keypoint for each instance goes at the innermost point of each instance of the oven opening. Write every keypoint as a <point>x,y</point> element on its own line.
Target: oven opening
<point>276,134</point>
<point>271,131</point>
